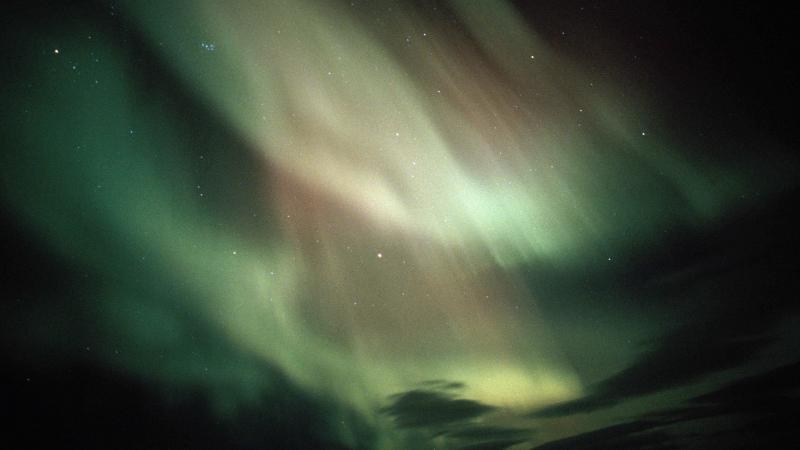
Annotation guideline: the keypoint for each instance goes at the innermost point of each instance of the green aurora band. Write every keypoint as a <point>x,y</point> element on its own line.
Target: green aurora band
<point>359,219</point>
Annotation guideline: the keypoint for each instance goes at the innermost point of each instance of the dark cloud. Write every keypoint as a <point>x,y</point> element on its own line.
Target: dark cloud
<point>490,433</point>
<point>681,358</point>
<point>738,304</point>
<point>773,393</point>
<point>488,437</point>
<point>781,382</point>
<point>435,408</point>
<point>694,350</point>
<point>493,445</point>
<point>430,408</point>
<point>758,411</point>
<point>631,435</point>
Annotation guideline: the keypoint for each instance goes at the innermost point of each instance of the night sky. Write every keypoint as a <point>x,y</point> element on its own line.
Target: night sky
<point>455,224</point>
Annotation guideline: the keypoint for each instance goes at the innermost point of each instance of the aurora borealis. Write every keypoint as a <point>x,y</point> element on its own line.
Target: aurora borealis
<point>395,225</point>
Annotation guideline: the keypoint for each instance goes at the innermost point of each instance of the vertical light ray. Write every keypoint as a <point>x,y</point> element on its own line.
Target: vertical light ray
<point>409,165</point>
